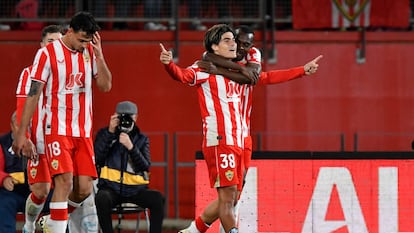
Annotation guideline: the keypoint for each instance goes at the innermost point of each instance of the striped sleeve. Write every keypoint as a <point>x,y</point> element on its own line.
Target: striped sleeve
<point>41,66</point>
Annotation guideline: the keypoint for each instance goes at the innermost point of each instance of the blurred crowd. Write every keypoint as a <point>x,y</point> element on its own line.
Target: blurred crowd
<point>143,14</point>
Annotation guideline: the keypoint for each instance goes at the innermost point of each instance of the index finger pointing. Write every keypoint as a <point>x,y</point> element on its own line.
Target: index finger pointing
<point>317,58</point>
<point>162,48</point>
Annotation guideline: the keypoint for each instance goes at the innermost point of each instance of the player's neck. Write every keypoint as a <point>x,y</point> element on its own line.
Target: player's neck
<point>66,42</point>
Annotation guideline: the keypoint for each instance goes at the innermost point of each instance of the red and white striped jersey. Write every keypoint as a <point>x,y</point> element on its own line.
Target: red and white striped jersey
<point>253,56</point>
<point>67,76</point>
<point>220,104</point>
<point>36,127</point>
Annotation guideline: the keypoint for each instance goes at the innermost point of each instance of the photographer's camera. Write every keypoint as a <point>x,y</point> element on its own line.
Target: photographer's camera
<point>125,123</point>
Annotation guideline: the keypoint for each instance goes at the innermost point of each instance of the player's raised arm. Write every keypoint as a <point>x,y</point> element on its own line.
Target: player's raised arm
<point>104,78</point>
<point>177,73</point>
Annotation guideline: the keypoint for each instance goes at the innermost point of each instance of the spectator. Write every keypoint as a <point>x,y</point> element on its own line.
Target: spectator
<point>123,158</point>
<point>7,10</point>
<point>29,9</point>
<point>122,10</point>
<point>152,10</point>
<point>13,186</point>
<point>251,10</point>
<point>99,8</point>
<point>194,12</point>
<point>64,6</point>
<point>222,7</point>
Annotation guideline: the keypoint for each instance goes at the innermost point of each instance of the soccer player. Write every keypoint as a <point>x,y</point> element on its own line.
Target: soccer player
<point>219,100</point>
<point>247,63</point>
<point>38,169</point>
<point>65,69</point>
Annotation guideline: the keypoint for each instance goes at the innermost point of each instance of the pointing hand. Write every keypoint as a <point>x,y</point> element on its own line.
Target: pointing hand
<point>312,66</point>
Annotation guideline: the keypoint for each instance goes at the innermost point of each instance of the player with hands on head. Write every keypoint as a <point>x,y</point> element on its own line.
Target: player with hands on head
<point>65,70</point>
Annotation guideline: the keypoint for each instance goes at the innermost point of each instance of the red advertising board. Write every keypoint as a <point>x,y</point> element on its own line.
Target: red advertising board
<point>336,192</point>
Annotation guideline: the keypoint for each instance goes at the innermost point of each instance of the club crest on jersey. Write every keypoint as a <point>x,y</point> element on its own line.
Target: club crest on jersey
<point>33,172</point>
<point>86,58</point>
<point>55,164</point>
<point>74,80</point>
<point>229,175</point>
<point>233,90</point>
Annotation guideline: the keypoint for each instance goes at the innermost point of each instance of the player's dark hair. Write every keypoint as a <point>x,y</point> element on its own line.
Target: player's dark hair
<point>213,35</point>
<point>84,21</point>
<point>244,29</point>
<point>51,29</point>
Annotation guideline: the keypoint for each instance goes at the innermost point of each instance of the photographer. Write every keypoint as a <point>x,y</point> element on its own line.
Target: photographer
<point>123,160</point>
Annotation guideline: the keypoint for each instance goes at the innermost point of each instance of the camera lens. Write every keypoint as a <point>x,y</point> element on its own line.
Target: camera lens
<point>125,122</point>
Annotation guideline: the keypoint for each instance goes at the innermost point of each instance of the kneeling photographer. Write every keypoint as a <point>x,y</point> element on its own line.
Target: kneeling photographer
<point>123,160</point>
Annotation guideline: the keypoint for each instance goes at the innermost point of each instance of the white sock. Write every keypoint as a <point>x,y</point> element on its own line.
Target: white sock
<point>58,210</point>
<point>57,226</point>
<point>32,212</point>
<point>193,228</point>
<point>74,204</point>
<point>84,218</point>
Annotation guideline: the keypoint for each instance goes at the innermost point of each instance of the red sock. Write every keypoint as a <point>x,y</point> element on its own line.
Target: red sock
<point>71,209</point>
<point>36,200</point>
<point>58,214</point>
<point>201,225</point>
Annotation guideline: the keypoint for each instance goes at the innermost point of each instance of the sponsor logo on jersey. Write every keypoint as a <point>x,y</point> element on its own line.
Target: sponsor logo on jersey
<point>75,81</point>
<point>233,91</point>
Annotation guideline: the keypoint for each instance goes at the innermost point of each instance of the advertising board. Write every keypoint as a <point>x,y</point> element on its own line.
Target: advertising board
<point>322,192</point>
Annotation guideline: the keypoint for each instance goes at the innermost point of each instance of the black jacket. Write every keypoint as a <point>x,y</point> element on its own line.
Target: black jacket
<point>114,161</point>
